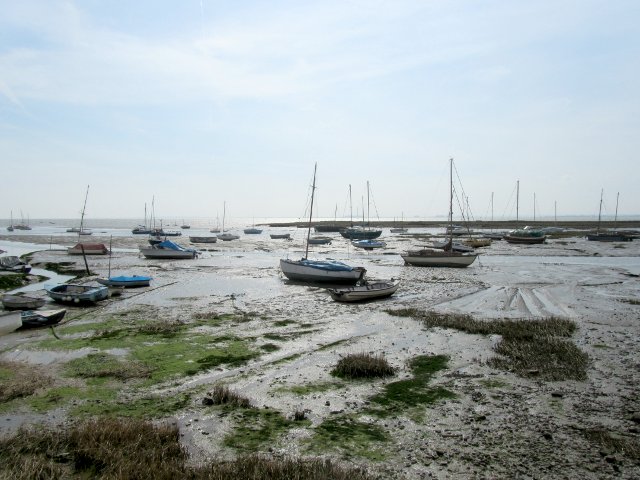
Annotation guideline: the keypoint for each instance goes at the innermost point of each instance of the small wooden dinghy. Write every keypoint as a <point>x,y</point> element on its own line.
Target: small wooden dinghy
<point>21,302</point>
<point>44,318</point>
<point>368,291</point>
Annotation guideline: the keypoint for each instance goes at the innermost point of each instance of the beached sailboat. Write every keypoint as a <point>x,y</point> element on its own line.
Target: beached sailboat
<point>368,244</point>
<point>428,257</point>
<point>168,250</point>
<point>81,230</point>
<point>125,281</point>
<point>524,236</point>
<point>608,236</point>
<point>328,271</point>
<point>142,229</point>
<point>22,225</point>
<point>226,237</point>
<point>12,263</point>
<point>252,230</point>
<point>363,232</point>
<point>399,229</point>
<point>10,227</point>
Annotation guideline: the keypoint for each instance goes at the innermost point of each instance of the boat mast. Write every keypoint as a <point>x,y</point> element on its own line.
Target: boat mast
<point>451,203</point>
<point>517,200</point>
<point>313,189</point>
<point>555,211</point>
<point>600,211</point>
<point>224,213</point>
<point>350,205</point>
<point>368,204</point>
<point>534,206</point>
<point>82,215</point>
<point>615,219</point>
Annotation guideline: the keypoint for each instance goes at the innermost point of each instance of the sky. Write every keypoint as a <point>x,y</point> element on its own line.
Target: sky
<point>194,103</point>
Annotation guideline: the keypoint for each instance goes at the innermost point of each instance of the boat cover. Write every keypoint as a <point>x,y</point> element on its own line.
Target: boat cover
<point>125,278</point>
<point>10,262</point>
<point>169,245</point>
<point>330,265</point>
<point>90,246</point>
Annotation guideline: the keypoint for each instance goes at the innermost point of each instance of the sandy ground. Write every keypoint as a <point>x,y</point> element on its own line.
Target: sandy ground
<point>517,428</point>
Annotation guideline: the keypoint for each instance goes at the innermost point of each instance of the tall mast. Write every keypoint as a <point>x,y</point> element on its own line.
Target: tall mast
<point>534,206</point>
<point>224,213</point>
<point>555,211</point>
<point>451,202</point>
<point>313,190</point>
<point>350,205</point>
<point>615,219</point>
<point>600,210</point>
<point>368,211</point>
<point>517,199</point>
<point>82,215</point>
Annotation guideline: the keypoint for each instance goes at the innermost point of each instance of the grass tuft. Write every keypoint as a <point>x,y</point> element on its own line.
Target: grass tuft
<point>222,395</point>
<point>362,365</point>
<point>18,380</point>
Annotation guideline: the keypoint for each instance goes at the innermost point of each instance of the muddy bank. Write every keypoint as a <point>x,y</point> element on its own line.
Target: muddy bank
<point>287,338</point>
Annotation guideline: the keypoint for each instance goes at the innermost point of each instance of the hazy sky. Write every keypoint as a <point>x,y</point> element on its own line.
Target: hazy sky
<point>197,102</point>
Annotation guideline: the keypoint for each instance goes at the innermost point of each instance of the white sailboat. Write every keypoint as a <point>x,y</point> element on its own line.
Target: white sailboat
<point>81,230</point>
<point>226,237</point>
<point>327,271</point>
<point>428,257</point>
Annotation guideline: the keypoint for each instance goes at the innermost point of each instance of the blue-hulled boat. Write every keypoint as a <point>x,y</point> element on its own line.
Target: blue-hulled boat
<point>71,293</point>
<point>126,281</point>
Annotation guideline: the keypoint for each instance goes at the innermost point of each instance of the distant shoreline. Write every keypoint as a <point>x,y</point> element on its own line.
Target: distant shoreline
<point>484,224</point>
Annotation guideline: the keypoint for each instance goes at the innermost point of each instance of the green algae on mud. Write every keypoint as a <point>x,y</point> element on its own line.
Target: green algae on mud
<point>403,395</point>
<point>349,436</point>
<point>164,352</point>
<point>309,388</point>
<point>256,428</point>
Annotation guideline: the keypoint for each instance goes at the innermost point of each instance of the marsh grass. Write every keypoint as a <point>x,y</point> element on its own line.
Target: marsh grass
<point>309,388</point>
<point>630,447</point>
<point>19,380</point>
<point>105,448</point>
<point>362,365</point>
<point>631,301</point>
<point>104,365</point>
<point>165,328</point>
<point>223,395</point>
<point>269,347</point>
<point>12,280</point>
<point>529,348</point>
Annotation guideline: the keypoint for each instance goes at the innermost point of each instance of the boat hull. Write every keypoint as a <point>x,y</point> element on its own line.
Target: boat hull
<point>360,234</point>
<point>160,253</point>
<point>439,259</point>
<point>203,239</point>
<point>281,236</point>
<point>43,318</point>
<point>127,282</point>
<point>297,271</point>
<point>20,302</point>
<point>227,237</point>
<point>604,237</point>
<point>362,293</point>
<point>524,240</point>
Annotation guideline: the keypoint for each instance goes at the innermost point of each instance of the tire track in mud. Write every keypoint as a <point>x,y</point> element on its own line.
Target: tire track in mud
<point>511,301</point>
